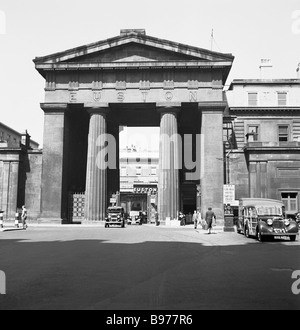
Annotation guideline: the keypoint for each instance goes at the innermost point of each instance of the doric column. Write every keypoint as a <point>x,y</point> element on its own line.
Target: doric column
<point>96,174</point>
<point>212,180</point>
<point>52,194</point>
<point>168,181</point>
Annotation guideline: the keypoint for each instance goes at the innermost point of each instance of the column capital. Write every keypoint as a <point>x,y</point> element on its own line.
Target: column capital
<point>101,108</point>
<point>54,107</point>
<point>167,107</point>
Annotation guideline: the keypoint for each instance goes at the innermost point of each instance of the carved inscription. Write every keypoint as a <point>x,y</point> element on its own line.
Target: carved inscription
<point>121,97</point>
<point>73,97</point>
<point>169,96</point>
<point>193,97</point>
<point>97,96</point>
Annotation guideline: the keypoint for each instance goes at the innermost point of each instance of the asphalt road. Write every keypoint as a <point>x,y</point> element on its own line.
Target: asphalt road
<point>145,268</point>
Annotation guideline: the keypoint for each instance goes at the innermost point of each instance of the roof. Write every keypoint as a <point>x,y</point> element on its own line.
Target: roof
<point>264,82</point>
<point>117,52</point>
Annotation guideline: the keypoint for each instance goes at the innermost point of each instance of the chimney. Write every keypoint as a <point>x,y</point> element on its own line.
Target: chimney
<point>25,140</point>
<point>266,67</point>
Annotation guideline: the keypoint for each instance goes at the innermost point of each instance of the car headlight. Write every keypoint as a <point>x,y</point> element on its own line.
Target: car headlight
<point>287,222</point>
<point>270,222</point>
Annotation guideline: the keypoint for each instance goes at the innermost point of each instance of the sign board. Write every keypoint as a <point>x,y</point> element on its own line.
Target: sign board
<point>134,213</point>
<point>145,189</point>
<point>229,194</point>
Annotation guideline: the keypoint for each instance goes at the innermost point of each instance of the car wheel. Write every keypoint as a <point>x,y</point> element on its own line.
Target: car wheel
<point>246,231</point>
<point>260,237</point>
<point>293,238</point>
<point>106,226</point>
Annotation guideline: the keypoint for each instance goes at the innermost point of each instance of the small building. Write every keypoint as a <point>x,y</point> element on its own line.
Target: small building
<point>262,147</point>
<point>12,138</point>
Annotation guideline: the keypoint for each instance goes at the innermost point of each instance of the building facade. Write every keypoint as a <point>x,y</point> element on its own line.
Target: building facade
<point>20,169</point>
<point>263,156</point>
<point>248,137</point>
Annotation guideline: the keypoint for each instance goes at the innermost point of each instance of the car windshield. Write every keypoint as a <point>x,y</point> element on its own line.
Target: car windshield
<point>116,210</point>
<point>269,210</point>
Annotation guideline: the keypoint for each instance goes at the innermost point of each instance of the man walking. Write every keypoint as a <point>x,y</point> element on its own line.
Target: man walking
<point>209,217</point>
<point>195,219</point>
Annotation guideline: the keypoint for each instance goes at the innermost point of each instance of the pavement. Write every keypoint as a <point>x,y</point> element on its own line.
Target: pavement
<point>145,268</point>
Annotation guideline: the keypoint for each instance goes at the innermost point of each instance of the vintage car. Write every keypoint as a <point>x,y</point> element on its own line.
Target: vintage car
<point>262,218</point>
<point>297,218</point>
<point>135,220</point>
<point>115,217</point>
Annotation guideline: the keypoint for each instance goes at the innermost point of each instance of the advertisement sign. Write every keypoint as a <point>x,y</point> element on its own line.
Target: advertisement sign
<point>229,194</point>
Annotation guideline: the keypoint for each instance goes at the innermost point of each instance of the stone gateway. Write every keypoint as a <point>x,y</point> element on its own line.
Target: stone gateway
<point>131,80</point>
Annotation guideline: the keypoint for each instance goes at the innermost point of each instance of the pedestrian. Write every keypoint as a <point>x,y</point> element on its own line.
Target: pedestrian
<point>182,219</point>
<point>156,219</point>
<point>195,219</point>
<point>199,218</point>
<point>24,217</point>
<point>209,217</point>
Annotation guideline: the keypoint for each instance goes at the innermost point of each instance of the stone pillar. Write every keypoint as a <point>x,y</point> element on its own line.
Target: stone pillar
<point>53,163</point>
<point>96,175</point>
<point>264,179</point>
<point>252,179</point>
<point>168,181</point>
<point>212,163</point>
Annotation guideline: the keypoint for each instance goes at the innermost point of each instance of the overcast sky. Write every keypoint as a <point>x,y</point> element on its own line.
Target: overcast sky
<point>250,30</point>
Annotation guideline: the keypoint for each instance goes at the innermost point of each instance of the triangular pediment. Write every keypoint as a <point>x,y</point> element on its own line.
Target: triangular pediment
<point>136,47</point>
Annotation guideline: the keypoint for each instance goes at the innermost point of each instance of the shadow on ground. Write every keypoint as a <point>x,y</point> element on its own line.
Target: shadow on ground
<point>99,274</point>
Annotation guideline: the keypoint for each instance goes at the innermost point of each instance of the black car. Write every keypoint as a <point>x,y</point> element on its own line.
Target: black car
<point>115,217</point>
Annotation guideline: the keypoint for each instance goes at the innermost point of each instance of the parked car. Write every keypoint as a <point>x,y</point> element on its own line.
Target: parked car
<point>135,220</point>
<point>262,218</point>
<point>297,218</point>
<point>115,217</point>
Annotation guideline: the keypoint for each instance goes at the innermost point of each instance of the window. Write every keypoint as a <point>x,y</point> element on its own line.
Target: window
<point>283,132</point>
<point>123,171</point>
<point>153,171</point>
<point>253,130</point>
<point>290,200</point>
<point>252,99</point>
<point>138,170</point>
<point>282,98</point>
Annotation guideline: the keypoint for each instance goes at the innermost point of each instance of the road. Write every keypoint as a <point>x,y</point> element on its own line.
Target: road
<point>145,268</point>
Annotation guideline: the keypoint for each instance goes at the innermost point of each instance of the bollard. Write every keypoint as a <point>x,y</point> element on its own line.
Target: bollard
<point>1,219</point>
<point>17,220</point>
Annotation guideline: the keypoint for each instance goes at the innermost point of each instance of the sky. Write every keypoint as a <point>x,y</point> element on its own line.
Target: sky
<point>250,30</point>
